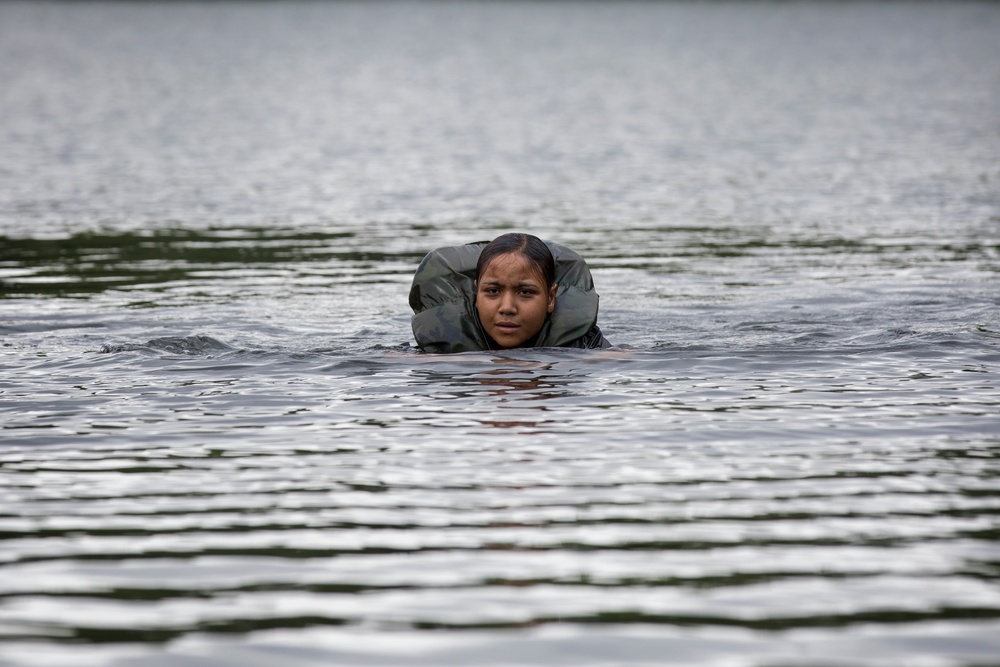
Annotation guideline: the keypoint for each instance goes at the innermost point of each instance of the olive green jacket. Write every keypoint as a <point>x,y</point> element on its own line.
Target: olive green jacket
<point>443,299</point>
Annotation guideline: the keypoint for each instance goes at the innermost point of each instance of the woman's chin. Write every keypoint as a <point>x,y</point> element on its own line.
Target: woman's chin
<point>510,338</point>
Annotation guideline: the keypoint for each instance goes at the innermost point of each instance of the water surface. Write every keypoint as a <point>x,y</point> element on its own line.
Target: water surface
<point>218,445</point>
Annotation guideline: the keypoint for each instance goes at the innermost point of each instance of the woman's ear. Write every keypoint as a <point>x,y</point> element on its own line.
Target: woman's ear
<point>552,297</point>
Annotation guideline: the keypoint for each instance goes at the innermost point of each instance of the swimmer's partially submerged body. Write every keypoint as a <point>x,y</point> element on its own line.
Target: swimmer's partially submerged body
<point>516,291</point>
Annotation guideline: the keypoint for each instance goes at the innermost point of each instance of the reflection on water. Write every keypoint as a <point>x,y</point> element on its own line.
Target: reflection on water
<point>88,263</point>
<point>218,445</point>
<point>705,491</point>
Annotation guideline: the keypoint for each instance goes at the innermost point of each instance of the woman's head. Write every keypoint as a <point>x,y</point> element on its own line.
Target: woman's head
<point>515,288</point>
<point>532,247</point>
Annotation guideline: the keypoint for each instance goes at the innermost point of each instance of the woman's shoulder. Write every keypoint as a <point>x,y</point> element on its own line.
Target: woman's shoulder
<point>592,340</point>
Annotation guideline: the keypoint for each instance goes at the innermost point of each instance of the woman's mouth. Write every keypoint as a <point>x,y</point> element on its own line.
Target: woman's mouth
<point>507,327</point>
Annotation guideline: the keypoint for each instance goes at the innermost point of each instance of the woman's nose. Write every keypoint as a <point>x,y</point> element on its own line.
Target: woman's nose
<point>507,304</point>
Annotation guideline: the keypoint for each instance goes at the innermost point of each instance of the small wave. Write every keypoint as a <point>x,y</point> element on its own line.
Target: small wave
<point>399,347</point>
<point>192,345</point>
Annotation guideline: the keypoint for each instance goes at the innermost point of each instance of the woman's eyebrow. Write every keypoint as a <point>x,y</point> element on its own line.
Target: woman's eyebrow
<point>500,282</point>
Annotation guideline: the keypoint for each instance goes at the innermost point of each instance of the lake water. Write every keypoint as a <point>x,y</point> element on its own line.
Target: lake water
<point>219,447</point>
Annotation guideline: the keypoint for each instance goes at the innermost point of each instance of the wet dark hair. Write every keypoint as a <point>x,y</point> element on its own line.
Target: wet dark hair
<point>532,247</point>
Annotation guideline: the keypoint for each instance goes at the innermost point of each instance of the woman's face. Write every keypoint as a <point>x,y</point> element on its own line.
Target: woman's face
<point>512,299</point>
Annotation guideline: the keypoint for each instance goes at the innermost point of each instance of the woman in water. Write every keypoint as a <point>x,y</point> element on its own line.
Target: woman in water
<point>516,291</point>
